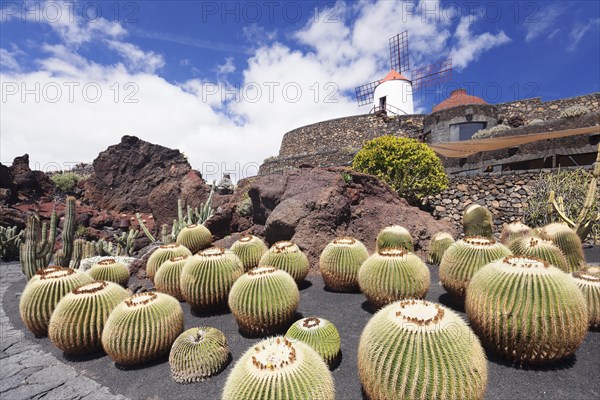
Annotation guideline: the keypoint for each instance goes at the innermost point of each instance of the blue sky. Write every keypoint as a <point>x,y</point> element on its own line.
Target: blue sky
<point>223,81</point>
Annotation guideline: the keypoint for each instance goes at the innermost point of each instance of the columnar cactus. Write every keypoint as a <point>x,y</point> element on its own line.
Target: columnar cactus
<point>168,277</point>
<point>513,231</point>
<point>207,277</point>
<point>164,253</point>
<point>464,258</point>
<point>264,300</point>
<point>393,274</point>
<point>526,310</point>
<point>438,245</point>
<point>36,251</point>
<point>540,248</point>
<point>63,256</point>
<point>11,239</point>
<point>142,328</point>
<point>110,270</point>
<point>43,292</point>
<point>567,241</point>
<point>198,354</point>
<point>249,249</point>
<point>195,237</point>
<point>279,369</point>
<point>414,349</point>
<point>288,257</point>
<point>318,333</point>
<point>588,281</point>
<point>394,236</point>
<point>478,221</point>
<point>340,261</point>
<point>78,320</point>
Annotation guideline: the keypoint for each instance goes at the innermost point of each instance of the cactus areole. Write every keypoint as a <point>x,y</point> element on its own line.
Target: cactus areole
<point>90,288</point>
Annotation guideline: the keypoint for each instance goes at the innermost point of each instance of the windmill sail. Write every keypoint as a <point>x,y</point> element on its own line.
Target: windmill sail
<point>399,52</point>
<point>364,93</point>
<point>432,74</point>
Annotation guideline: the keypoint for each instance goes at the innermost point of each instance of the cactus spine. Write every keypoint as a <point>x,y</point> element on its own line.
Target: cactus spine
<point>568,242</point>
<point>37,250</point>
<point>526,310</point>
<point>478,221</point>
<point>164,253</point>
<point>340,261</point>
<point>288,257</point>
<point>168,277</point>
<point>438,245</point>
<point>110,270</point>
<point>540,248</point>
<point>195,237</point>
<point>319,334</point>
<point>414,349</point>
<point>514,231</point>
<point>394,236</point>
<point>588,281</point>
<point>63,256</point>
<point>249,249</point>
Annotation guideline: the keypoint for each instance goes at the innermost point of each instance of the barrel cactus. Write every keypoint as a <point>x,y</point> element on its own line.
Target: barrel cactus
<point>264,301</point>
<point>414,349</point>
<point>207,277</point>
<point>318,333</point>
<point>463,259</point>
<point>168,277</point>
<point>393,274</point>
<point>142,328</point>
<point>526,310</point>
<point>249,249</point>
<point>110,270</point>
<point>540,248</point>
<point>164,253</point>
<point>567,241</point>
<point>279,369</point>
<point>43,292</point>
<point>197,354</point>
<point>588,281</point>
<point>340,261</point>
<point>438,245</point>
<point>78,320</point>
<point>195,237</point>
<point>513,231</point>
<point>288,257</point>
<point>394,236</point>
<point>478,221</point>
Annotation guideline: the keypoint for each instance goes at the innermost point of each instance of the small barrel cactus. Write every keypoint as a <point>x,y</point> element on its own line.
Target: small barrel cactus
<point>340,261</point>
<point>168,277</point>
<point>438,245</point>
<point>478,221</point>
<point>195,237</point>
<point>288,257</point>
<point>318,333</point>
<point>464,258</point>
<point>164,253</point>
<point>588,281</point>
<point>395,236</point>
<point>207,277</point>
<point>78,320</point>
<point>414,349</point>
<point>249,249</point>
<point>526,310</point>
<point>513,231</point>
<point>567,241</point>
<point>393,274</point>
<point>279,369</point>
<point>540,248</point>
<point>142,328</point>
<point>198,354</point>
<point>110,270</point>
<point>264,301</point>
<point>43,292</point>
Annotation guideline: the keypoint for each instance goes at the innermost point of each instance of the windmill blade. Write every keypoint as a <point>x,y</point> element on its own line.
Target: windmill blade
<point>364,93</point>
<point>399,52</point>
<point>432,74</point>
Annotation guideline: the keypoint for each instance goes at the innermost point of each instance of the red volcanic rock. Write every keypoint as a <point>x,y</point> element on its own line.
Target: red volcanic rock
<point>21,184</point>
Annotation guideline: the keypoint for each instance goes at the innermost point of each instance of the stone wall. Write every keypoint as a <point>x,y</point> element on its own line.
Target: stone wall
<point>436,126</point>
<point>535,108</point>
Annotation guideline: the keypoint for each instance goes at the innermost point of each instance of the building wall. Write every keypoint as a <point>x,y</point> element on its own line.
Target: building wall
<point>535,108</point>
<point>437,125</point>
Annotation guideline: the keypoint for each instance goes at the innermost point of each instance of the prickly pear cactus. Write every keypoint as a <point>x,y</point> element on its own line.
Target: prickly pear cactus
<point>288,257</point>
<point>168,277</point>
<point>340,261</point>
<point>318,333</point>
<point>394,236</point>
<point>513,231</point>
<point>438,245</point>
<point>164,253</point>
<point>567,241</point>
<point>249,249</point>
<point>195,237</point>
<point>110,270</point>
<point>540,248</point>
<point>478,221</point>
<point>588,281</point>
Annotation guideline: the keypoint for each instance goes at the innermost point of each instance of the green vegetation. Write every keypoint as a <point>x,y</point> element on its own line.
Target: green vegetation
<point>66,181</point>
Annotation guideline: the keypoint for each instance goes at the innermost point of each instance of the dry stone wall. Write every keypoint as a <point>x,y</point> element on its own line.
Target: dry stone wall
<point>535,108</point>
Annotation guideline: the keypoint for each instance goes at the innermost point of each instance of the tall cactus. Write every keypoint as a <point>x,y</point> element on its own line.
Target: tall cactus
<point>36,252</point>
<point>126,242</point>
<point>63,256</point>
<point>10,242</point>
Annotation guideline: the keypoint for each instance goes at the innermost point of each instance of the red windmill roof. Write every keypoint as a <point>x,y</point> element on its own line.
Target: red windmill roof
<point>393,75</point>
<point>458,97</point>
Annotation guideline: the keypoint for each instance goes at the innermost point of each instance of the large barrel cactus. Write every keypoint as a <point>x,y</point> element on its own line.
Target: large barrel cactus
<point>110,270</point>
<point>164,253</point>
<point>464,258</point>
<point>567,241</point>
<point>513,231</point>
<point>478,221</point>
<point>78,320</point>
<point>249,249</point>
<point>195,237</point>
<point>264,301</point>
<point>278,369</point>
<point>288,257</point>
<point>588,281</point>
<point>395,236</point>
<point>340,261</point>
<point>168,277</point>
<point>318,333</point>
<point>438,245</point>
<point>526,310</point>
<point>393,274</point>
<point>197,354</point>
<point>43,292</point>
<point>142,328</point>
<point>207,277</point>
<point>414,349</point>
<point>540,248</point>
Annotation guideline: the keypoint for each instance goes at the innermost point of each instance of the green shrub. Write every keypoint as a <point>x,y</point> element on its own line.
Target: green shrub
<point>407,165</point>
<point>66,181</point>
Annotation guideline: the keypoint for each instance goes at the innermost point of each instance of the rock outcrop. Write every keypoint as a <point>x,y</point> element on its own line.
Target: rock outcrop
<point>19,184</point>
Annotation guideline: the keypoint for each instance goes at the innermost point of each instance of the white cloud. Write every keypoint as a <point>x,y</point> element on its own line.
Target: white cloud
<point>543,21</point>
<point>470,47</point>
<point>137,59</point>
<point>579,31</point>
<point>8,60</point>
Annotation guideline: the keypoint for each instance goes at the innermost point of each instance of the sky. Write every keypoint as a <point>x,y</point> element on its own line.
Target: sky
<point>223,81</point>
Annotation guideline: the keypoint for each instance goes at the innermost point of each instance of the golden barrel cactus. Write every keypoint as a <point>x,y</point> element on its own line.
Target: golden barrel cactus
<point>249,249</point>
<point>340,261</point>
<point>110,270</point>
<point>195,237</point>
<point>164,253</point>
<point>394,236</point>
<point>168,277</point>
<point>288,257</point>
<point>588,281</point>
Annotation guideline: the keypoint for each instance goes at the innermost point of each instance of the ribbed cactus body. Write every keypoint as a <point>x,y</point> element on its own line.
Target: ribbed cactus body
<point>195,237</point>
<point>438,245</point>
<point>249,249</point>
<point>207,278</point>
<point>168,277</point>
<point>526,310</point>
<point>278,369</point>
<point>414,349</point>
<point>162,254</point>
<point>264,301</point>
<point>395,236</point>
<point>142,328</point>
<point>43,292</point>
<point>542,249</point>
<point>478,221</point>
<point>288,257</point>
<point>110,270</point>
<point>513,231</point>
<point>197,354</point>
<point>318,333</point>
<point>77,322</point>
<point>339,263</point>
<point>393,274</point>
<point>588,281</point>
<point>464,258</point>
<point>567,241</point>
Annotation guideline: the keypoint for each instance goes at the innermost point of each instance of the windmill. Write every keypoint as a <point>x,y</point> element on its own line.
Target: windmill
<point>394,93</point>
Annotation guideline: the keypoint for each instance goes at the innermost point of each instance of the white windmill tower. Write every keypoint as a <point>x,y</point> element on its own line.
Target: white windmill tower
<point>394,93</point>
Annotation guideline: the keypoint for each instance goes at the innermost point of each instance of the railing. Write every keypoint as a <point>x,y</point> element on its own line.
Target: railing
<point>388,108</point>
